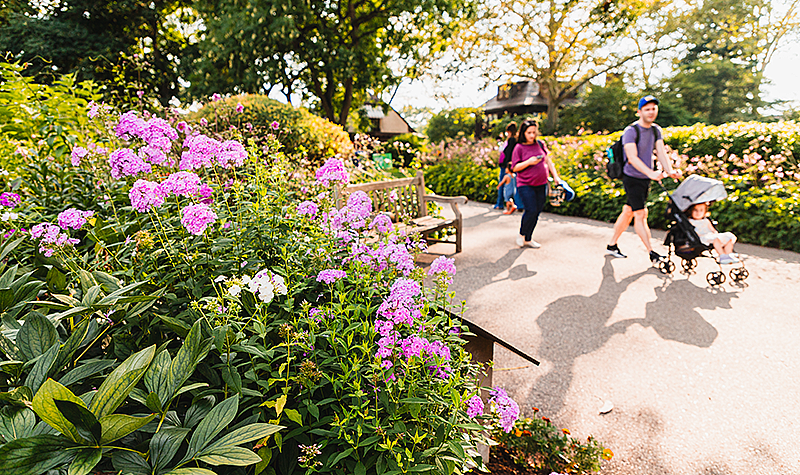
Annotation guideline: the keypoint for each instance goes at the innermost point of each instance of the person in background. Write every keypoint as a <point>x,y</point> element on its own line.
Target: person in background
<point>637,174</point>
<point>531,163</point>
<point>505,159</point>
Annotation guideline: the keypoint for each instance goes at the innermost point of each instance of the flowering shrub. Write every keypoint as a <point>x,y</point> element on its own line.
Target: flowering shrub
<point>537,444</point>
<point>202,251</point>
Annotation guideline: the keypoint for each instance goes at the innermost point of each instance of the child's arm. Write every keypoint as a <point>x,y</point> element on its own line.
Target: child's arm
<point>505,180</point>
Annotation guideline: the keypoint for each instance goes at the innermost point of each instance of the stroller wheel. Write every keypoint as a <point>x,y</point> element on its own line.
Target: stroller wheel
<point>739,274</point>
<point>715,278</point>
<point>688,265</point>
<point>667,266</point>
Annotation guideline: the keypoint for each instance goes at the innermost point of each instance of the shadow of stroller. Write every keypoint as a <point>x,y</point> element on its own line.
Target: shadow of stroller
<point>479,276</point>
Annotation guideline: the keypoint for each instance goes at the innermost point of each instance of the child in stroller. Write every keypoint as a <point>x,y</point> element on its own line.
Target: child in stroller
<point>722,242</point>
<point>690,237</point>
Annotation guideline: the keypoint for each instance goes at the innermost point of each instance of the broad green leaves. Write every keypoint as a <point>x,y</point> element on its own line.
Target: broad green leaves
<point>121,382</point>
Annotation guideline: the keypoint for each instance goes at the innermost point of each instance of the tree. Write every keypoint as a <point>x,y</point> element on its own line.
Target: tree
<point>124,44</point>
<point>602,109</point>
<point>452,124</point>
<point>561,44</point>
<point>728,45</point>
<point>335,52</point>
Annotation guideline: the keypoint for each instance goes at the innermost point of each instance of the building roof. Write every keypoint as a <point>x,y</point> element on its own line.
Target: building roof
<point>519,98</point>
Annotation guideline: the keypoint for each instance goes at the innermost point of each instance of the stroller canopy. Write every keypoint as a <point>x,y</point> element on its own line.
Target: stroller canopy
<point>698,189</point>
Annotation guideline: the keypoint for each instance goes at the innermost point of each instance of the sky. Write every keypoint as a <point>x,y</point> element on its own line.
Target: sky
<point>466,90</point>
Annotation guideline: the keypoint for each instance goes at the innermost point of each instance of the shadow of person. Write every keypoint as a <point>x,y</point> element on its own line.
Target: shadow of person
<point>673,316</point>
<point>573,326</point>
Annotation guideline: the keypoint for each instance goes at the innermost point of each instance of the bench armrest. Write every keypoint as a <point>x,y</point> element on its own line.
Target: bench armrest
<point>459,200</point>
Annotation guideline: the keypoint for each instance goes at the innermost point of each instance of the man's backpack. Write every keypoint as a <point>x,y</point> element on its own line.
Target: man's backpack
<point>616,156</point>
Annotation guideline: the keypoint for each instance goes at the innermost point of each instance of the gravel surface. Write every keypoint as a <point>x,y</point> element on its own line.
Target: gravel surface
<point>702,381</point>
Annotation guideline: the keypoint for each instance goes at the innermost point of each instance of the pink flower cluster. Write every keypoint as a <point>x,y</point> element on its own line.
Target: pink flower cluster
<point>382,223</point>
<point>507,409</point>
<point>77,155</point>
<point>390,254</point>
<point>345,222</point>
<point>330,276</point>
<point>475,406</point>
<point>73,218</point>
<point>196,218</point>
<point>332,170</point>
<point>202,151</point>
<point>10,200</point>
<point>443,266</point>
<point>125,162</point>
<point>51,238</point>
<point>182,184</point>
<point>308,208</point>
<point>146,195</point>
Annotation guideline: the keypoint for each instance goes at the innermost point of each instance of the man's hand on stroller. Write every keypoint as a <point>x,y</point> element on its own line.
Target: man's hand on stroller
<point>675,174</point>
<point>656,175</point>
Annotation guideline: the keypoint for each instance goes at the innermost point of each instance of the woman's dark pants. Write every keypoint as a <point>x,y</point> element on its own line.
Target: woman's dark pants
<point>533,198</point>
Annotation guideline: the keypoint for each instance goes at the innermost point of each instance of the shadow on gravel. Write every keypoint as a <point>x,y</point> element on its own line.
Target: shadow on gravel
<point>576,325</point>
<point>485,274</point>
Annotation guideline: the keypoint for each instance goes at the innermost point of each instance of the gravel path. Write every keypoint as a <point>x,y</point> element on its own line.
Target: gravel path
<point>702,381</point>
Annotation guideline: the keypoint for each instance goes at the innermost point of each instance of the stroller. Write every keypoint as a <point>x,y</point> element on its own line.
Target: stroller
<point>682,238</point>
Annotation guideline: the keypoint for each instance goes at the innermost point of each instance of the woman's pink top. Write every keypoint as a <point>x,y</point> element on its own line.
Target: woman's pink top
<point>534,175</point>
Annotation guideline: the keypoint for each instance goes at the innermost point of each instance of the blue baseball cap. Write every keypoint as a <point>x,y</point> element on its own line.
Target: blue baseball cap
<point>646,100</point>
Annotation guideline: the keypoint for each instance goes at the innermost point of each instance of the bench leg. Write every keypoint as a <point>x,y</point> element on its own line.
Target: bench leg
<point>458,238</point>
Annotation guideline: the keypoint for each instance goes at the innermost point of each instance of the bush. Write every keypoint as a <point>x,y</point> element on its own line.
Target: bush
<point>452,124</point>
<point>302,134</point>
<point>236,305</point>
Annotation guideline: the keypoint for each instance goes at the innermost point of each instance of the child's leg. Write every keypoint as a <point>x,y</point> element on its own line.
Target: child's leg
<point>728,240</point>
<point>719,246</point>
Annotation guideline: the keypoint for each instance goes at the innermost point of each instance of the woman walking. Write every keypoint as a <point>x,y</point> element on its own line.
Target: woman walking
<point>531,163</point>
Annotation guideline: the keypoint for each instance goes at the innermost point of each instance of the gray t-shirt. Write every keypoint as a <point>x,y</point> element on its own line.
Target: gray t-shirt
<point>647,143</point>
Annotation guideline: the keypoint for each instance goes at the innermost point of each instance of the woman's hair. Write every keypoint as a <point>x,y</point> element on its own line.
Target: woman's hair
<point>523,127</point>
<point>511,128</point>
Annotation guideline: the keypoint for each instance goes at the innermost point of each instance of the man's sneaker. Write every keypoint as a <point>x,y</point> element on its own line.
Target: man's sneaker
<point>614,251</point>
<point>520,241</point>
<point>532,244</point>
<point>655,257</point>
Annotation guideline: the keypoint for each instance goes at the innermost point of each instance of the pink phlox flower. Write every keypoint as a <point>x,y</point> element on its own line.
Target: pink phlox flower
<point>474,406</point>
<point>183,127</point>
<point>197,217</point>
<point>332,170</point>
<point>507,409</point>
<point>384,327</point>
<point>77,154</point>
<point>125,162</point>
<point>73,218</point>
<point>400,305</point>
<point>382,223</point>
<point>200,154</point>
<point>308,208</point>
<point>145,195</point>
<point>330,276</point>
<point>205,193</point>
<point>130,125</point>
<point>10,200</point>
<point>239,107</point>
<point>275,125</point>
<point>443,265</point>
<point>182,184</point>
<point>231,154</point>
<point>203,122</point>
<point>50,238</point>
<point>216,97</point>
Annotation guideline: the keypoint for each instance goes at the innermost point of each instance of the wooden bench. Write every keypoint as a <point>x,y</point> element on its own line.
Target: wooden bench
<point>408,206</point>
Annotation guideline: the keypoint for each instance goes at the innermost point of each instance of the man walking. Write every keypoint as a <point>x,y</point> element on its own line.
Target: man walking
<point>639,140</point>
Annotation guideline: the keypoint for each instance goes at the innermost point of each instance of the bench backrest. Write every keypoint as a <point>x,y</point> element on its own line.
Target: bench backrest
<point>406,204</point>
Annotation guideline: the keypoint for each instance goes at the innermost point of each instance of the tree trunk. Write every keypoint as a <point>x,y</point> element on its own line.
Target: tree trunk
<point>552,113</point>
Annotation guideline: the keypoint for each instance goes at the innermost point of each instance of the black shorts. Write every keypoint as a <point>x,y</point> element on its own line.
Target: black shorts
<point>636,191</point>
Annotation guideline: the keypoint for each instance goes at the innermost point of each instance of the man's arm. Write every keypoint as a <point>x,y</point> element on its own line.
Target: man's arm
<point>632,155</point>
<point>666,163</point>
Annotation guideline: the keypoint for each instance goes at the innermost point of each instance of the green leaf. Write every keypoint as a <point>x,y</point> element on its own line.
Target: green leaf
<point>84,421</point>
<point>112,298</point>
<point>340,456</point>
<point>16,423</point>
<point>42,368</point>
<point>165,444</point>
<point>36,336</point>
<point>73,343</point>
<point>238,456</point>
<point>360,469</point>
<point>121,382</point>
<point>279,404</point>
<point>116,426</point>
<point>90,368</point>
<point>109,282</point>
<point>153,403</point>
<point>45,407</point>
<point>198,411</point>
<point>212,424</point>
<point>156,378</point>
<point>245,434</point>
<point>190,471</point>
<point>19,396</point>
<point>293,415</point>
<point>266,455</point>
<point>35,455</point>
<point>189,355</point>
<point>8,277</point>
<point>10,247</point>
<point>56,280</point>
<point>90,297</point>
<point>130,463</point>
<point>85,461</point>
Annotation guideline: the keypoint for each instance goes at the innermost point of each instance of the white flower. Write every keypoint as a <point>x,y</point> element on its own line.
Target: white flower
<point>220,279</point>
<point>266,294</point>
<point>9,216</point>
<point>234,290</point>
<point>279,284</point>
